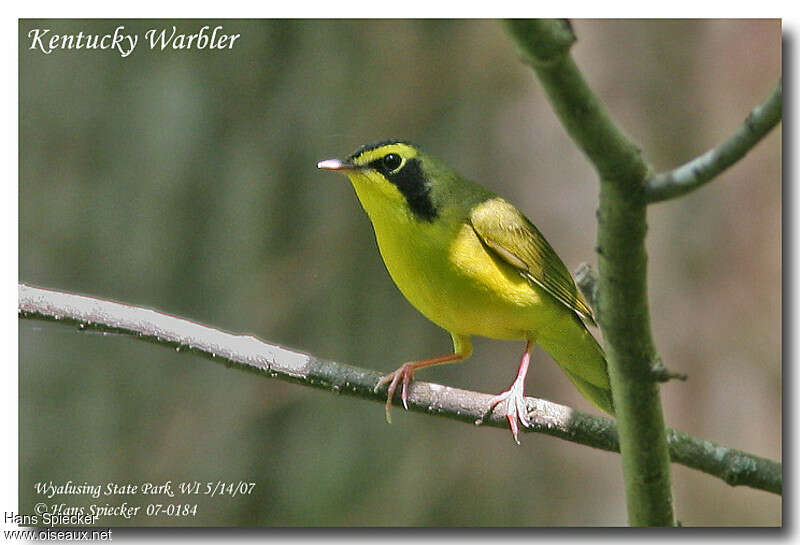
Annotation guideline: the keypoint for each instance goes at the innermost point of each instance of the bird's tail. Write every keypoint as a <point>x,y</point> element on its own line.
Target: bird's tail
<point>574,348</point>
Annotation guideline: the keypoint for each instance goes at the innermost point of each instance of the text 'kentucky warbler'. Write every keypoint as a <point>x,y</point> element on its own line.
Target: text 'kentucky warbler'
<point>474,265</point>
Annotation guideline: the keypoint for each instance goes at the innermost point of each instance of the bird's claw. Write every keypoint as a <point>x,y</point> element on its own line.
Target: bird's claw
<point>404,373</point>
<point>516,407</point>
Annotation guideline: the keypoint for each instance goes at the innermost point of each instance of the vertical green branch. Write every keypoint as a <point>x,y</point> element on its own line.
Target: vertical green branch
<point>622,286</point>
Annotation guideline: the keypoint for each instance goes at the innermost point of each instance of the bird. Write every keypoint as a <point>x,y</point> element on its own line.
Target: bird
<point>473,264</point>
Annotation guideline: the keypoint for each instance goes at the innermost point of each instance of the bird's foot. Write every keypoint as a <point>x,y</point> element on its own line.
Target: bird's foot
<point>516,408</point>
<point>403,374</point>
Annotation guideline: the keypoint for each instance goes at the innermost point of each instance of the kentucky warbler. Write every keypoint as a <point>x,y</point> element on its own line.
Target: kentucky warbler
<point>474,265</point>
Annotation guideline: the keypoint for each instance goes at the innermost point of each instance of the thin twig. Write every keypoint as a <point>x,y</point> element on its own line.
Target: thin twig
<point>703,169</point>
<point>249,353</point>
<point>586,280</point>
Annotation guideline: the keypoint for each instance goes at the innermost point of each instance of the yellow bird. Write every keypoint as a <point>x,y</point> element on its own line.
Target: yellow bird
<point>474,265</point>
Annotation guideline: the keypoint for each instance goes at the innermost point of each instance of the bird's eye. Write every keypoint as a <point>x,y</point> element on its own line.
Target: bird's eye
<point>391,161</point>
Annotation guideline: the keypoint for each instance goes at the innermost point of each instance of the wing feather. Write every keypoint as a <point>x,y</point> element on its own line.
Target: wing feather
<point>513,238</point>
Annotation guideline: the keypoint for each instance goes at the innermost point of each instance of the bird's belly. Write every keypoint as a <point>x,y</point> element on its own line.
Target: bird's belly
<point>464,288</point>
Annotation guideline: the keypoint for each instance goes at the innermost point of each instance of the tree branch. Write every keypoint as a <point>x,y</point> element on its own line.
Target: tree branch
<point>703,169</point>
<point>623,313</point>
<point>586,279</point>
<point>251,354</point>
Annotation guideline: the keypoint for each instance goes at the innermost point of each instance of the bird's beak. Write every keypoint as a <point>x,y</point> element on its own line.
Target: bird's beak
<point>335,164</point>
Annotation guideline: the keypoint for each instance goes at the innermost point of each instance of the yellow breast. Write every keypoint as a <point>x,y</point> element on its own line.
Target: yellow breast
<point>445,271</point>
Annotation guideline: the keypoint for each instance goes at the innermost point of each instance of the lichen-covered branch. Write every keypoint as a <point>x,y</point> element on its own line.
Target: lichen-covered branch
<point>249,353</point>
<point>622,307</point>
<point>732,466</point>
<point>703,169</point>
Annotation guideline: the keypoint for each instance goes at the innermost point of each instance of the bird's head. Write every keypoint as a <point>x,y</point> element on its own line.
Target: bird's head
<point>391,177</point>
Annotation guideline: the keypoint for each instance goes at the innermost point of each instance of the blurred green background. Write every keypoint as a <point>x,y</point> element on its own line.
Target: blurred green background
<point>185,181</point>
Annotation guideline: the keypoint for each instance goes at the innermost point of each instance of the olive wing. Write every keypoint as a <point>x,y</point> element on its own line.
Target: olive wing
<point>512,237</point>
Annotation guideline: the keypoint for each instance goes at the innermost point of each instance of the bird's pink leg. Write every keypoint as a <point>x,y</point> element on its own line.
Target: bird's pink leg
<point>404,374</point>
<point>515,397</point>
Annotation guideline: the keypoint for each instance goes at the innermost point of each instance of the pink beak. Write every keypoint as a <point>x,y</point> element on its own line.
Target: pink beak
<point>334,164</point>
